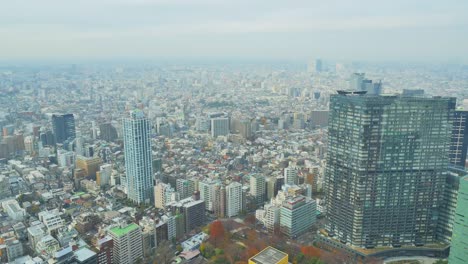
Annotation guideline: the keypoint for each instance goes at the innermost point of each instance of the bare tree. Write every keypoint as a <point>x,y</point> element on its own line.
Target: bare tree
<point>163,253</point>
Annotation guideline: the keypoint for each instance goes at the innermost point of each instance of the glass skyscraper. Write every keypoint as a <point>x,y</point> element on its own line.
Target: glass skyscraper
<point>386,167</point>
<point>459,145</point>
<point>138,158</point>
<point>64,127</point>
<point>459,247</point>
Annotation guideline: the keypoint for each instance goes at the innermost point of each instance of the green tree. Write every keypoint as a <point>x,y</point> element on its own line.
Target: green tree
<point>179,248</point>
<point>219,251</point>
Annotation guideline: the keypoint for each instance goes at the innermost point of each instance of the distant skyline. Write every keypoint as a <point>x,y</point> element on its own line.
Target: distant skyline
<point>432,31</point>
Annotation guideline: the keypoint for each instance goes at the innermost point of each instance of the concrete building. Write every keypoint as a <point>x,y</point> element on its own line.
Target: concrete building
<point>14,211</point>
<point>257,188</point>
<point>270,255</point>
<point>192,210</point>
<point>148,227</point>
<point>219,126</point>
<point>219,201</point>
<point>297,215</point>
<point>233,199</point>
<point>52,220</point>
<point>66,159</point>
<point>35,234</point>
<point>207,191</point>
<point>5,190</point>
<point>47,246</point>
<point>290,176</point>
<point>105,250</point>
<point>103,176</point>
<point>138,158</point>
<point>185,188</point>
<point>14,249</point>
<point>162,195</point>
<point>271,217</point>
<point>90,165</point>
<point>85,256</point>
<point>128,246</point>
<point>170,220</point>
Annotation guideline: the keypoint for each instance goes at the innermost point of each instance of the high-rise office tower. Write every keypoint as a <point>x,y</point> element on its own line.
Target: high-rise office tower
<point>459,144</point>
<point>64,127</point>
<point>358,82</point>
<point>318,65</point>
<point>219,126</point>
<point>386,166</point>
<point>108,132</point>
<point>257,188</point>
<point>297,215</point>
<point>459,246</point>
<point>128,243</point>
<point>233,199</point>
<point>355,81</point>
<point>138,159</point>
<point>315,66</point>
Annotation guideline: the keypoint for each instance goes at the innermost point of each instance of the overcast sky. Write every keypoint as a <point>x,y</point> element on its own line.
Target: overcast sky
<point>429,30</point>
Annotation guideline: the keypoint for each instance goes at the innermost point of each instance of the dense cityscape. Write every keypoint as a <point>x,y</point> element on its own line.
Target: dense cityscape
<point>214,163</point>
<point>233,132</point>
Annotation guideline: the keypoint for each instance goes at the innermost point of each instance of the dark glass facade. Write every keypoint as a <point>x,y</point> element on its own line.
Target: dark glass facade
<point>64,127</point>
<point>386,167</point>
<point>459,144</point>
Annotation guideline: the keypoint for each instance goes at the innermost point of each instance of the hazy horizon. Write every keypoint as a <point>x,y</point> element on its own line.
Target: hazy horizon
<point>429,31</point>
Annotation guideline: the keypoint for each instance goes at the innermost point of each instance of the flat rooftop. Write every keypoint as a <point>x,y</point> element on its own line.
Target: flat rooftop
<point>269,255</point>
<point>122,231</point>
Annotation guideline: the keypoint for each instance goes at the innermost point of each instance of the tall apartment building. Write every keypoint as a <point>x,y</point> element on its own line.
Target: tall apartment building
<point>233,199</point>
<point>290,176</point>
<point>103,176</point>
<point>219,126</point>
<point>162,195</point>
<point>207,191</point>
<point>193,212</point>
<point>185,188</point>
<point>64,127</point>
<point>138,158</point>
<point>5,190</point>
<point>104,248</point>
<point>386,166</point>
<point>459,246</point>
<point>459,145</point>
<point>271,218</point>
<point>219,201</point>
<point>128,245</point>
<point>257,188</point>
